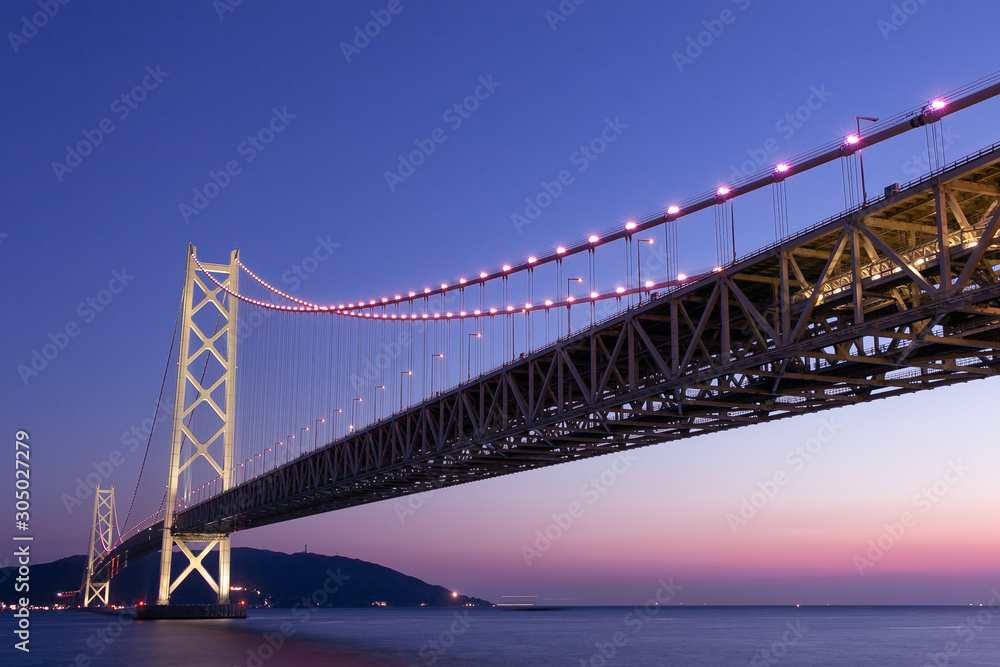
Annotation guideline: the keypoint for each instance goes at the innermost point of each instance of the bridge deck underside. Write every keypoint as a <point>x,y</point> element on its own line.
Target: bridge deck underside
<point>862,307</point>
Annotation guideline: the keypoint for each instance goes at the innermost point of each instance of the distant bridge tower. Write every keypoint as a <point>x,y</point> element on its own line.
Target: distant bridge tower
<point>100,543</point>
<point>200,383</point>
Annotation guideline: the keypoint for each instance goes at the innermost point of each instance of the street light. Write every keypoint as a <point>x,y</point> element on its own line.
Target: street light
<point>471,336</point>
<point>402,373</point>
<point>433,356</point>
<point>861,159</point>
<point>569,299</point>
<point>333,425</point>
<point>354,413</point>
<point>378,386</point>
<point>321,420</point>
<point>302,444</point>
<point>638,262</point>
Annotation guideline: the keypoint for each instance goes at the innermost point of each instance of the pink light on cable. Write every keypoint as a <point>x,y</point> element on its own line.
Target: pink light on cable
<point>723,191</point>
<point>560,250</point>
<point>532,259</point>
<point>594,238</point>
<point>852,139</point>
<point>594,295</point>
<point>938,104</point>
<point>506,267</point>
<point>681,277</point>
<point>482,274</point>
<point>629,226</point>
<point>782,168</point>
<point>620,290</point>
<point>649,283</point>
<point>673,210</point>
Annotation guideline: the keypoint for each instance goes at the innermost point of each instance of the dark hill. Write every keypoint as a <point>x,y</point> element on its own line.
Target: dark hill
<point>266,577</point>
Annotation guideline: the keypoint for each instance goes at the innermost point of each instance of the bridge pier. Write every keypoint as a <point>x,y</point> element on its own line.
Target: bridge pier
<point>188,611</point>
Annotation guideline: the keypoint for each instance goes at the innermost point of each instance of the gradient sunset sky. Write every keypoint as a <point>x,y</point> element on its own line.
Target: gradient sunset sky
<point>692,119</point>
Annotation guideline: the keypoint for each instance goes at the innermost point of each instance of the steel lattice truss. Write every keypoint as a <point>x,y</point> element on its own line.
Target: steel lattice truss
<point>861,307</point>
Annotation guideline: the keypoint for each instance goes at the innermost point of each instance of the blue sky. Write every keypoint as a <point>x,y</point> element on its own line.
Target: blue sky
<point>198,80</point>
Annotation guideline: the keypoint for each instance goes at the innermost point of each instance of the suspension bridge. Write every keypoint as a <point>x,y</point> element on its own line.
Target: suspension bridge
<point>285,408</point>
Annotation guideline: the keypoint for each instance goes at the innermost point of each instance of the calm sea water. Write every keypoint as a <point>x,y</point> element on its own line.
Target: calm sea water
<point>884,636</point>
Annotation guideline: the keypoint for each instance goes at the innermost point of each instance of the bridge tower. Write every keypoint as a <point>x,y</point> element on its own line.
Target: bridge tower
<point>204,305</point>
<point>100,542</point>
